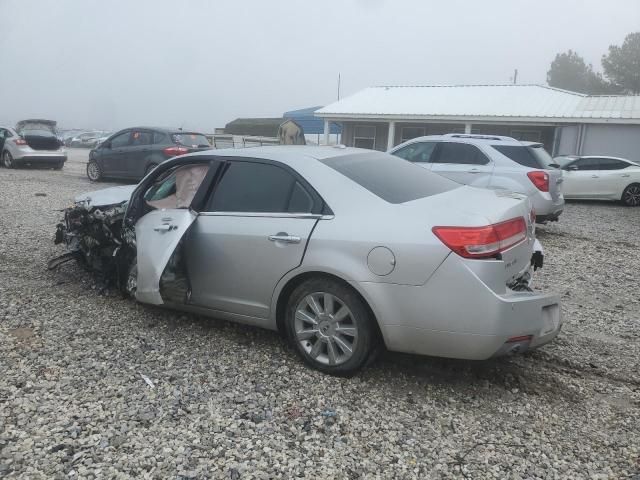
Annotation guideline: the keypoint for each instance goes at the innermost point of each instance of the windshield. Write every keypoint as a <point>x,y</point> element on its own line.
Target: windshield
<point>191,139</point>
<point>542,155</point>
<point>532,156</point>
<point>391,178</point>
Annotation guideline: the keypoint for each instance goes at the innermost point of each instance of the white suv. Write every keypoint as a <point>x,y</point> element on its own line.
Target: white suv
<point>492,161</point>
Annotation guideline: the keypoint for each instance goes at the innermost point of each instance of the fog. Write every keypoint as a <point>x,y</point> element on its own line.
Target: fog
<point>201,63</point>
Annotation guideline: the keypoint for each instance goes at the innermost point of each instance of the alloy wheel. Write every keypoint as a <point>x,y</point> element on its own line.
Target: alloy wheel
<point>8,160</point>
<point>325,328</point>
<point>93,171</point>
<point>632,195</point>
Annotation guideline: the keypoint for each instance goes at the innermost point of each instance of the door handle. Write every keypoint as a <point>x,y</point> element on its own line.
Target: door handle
<point>474,170</point>
<point>594,176</point>
<point>165,228</point>
<point>625,175</point>
<point>281,237</point>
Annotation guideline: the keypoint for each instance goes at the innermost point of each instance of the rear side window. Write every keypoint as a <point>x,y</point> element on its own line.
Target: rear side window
<point>519,154</point>
<point>190,139</point>
<point>390,178</point>
<point>611,164</point>
<point>159,138</point>
<point>417,152</point>
<point>141,137</point>
<point>460,153</point>
<point>259,188</point>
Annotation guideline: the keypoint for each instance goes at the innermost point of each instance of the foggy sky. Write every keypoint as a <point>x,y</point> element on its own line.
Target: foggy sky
<point>199,64</point>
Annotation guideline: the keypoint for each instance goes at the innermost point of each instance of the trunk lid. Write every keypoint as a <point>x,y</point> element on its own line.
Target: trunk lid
<point>476,207</point>
<point>39,134</point>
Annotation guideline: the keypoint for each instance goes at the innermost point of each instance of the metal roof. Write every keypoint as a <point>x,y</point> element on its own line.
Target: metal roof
<point>309,122</point>
<point>482,102</point>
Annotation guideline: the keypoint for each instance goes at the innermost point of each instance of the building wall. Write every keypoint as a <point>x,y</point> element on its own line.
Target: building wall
<point>567,140</point>
<point>614,140</point>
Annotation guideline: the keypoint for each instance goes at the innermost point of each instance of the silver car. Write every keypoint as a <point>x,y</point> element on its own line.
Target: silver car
<point>32,142</point>
<point>492,161</point>
<point>342,250</point>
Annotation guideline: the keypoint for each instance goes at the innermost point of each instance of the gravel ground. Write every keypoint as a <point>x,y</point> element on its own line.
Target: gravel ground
<point>227,401</point>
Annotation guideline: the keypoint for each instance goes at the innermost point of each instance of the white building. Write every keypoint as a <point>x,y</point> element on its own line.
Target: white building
<point>566,122</point>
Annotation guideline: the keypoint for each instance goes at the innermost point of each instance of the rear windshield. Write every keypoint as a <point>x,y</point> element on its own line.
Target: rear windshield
<point>190,139</point>
<point>37,128</point>
<point>391,178</point>
<point>532,156</point>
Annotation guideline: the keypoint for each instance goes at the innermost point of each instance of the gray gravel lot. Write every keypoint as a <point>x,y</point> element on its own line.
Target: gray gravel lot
<point>235,402</point>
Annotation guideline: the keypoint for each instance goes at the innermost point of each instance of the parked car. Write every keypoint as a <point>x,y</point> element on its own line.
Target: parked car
<point>133,152</point>
<point>491,161</point>
<point>601,178</point>
<point>341,249</point>
<point>32,142</point>
<point>86,139</point>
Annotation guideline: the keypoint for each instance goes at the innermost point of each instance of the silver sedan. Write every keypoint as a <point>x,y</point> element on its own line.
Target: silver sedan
<point>342,250</point>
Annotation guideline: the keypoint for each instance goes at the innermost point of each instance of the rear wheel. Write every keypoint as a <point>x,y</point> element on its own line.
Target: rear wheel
<point>94,172</point>
<point>631,195</point>
<point>330,326</point>
<point>59,166</point>
<point>7,160</point>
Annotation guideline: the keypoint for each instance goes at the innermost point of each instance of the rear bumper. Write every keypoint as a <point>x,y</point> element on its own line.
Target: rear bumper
<point>455,314</point>
<point>42,158</point>
<point>547,208</point>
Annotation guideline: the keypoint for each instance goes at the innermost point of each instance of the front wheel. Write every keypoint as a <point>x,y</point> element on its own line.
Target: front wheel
<point>7,160</point>
<point>631,195</point>
<point>94,172</point>
<point>59,166</point>
<point>330,326</point>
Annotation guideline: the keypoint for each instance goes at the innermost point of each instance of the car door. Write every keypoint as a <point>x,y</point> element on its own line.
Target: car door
<point>581,178</point>
<point>161,230</point>
<point>417,152</point>
<point>112,152</point>
<point>613,177</point>
<point>134,163</point>
<point>463,163</point>
<point>253,230</point>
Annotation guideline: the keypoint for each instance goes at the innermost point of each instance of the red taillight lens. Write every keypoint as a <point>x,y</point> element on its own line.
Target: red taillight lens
<point>483,242</point>
<point>175,150</point>
<point>540,180</point>
<point>20,141</point>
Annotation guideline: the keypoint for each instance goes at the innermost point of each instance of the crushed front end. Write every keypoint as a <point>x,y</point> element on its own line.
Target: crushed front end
<point>95,237</point>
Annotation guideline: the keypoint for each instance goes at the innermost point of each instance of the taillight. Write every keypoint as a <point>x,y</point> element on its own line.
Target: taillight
<point>483,242</point>
<point>540,180</point>
<point>20,141</point>
<point>175,150</point>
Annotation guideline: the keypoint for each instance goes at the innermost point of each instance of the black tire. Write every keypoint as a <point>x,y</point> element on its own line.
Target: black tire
<point>364,342</point>
<point>94,171</point>
<point>150,168</point>
<point>631,195</point>
<point>59,166</point>
<point>7,160</point>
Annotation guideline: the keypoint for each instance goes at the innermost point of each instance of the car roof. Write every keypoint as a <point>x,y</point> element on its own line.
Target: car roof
<point>598,156</point>
<point>474,139</point>
<point>286,154</point>
<point>161,129</point>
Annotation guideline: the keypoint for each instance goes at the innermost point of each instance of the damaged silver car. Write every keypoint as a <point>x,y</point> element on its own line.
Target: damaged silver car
<point>342,250</point>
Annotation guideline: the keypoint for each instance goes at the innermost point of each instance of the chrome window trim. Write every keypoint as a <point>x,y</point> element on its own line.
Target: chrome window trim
<point>267,215</point>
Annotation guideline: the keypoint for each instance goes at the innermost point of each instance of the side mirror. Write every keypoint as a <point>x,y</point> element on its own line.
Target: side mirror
<point>572,167</point>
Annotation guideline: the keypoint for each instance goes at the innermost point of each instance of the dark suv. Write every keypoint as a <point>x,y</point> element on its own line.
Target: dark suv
<point>133,152</point>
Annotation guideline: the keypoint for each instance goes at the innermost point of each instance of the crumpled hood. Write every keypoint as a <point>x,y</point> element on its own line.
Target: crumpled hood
<point>106,196</point>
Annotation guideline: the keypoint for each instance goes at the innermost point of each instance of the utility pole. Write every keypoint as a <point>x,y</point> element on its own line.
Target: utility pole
<point>515,76</point>
<point>338,86</point>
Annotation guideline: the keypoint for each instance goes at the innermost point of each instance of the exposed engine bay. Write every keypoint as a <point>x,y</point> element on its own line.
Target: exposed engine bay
<point>95,237</point>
